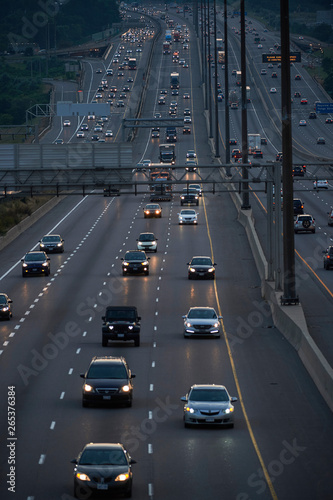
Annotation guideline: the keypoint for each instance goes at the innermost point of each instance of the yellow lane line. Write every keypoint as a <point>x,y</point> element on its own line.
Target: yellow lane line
<point>233,367</point>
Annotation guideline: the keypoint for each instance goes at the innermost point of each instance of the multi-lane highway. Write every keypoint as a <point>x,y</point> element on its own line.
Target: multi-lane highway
<point>280,446</point>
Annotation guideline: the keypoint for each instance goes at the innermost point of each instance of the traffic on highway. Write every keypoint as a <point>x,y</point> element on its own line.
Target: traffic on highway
<point>139,357</point>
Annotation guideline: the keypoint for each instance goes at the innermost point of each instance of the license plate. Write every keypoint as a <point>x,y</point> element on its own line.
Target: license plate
<point>34,269</point>
<point>120,335</point>
<point>135,268</point>
<point>102,486</point>
<point>209,420</point>
<point>107,397</point>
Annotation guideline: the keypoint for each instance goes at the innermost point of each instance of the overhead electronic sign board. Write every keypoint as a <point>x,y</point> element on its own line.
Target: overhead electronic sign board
<point>324,107</point>
<point>276,58</point>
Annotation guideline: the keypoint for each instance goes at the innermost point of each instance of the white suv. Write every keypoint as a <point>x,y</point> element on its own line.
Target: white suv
<point>304,222</point>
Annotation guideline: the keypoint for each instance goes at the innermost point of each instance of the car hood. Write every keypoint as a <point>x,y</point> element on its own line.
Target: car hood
<point>120,322</point>
<point>198,321</point>
<point>209,406</point>
<point>204,267</point>
<point>95,472</point>
<point>107,382</point>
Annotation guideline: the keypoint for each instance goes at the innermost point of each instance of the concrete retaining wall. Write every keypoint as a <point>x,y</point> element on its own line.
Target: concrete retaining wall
<point>28,221</point>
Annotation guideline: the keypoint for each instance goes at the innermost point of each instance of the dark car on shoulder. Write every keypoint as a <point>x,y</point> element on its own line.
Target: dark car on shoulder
<point>201,267</point>
<point>121,323</point>
<point>36,263</point>
<point>5,306</point>
<point>108,380</point>
<point>328,258</point>
<point>103,468</point>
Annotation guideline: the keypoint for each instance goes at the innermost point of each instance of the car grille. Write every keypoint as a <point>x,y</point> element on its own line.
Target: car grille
<point>99,479</point>
<point>121,329</point>
<point>209,413</point>
<point>202,327</point>
<point>106,391</point>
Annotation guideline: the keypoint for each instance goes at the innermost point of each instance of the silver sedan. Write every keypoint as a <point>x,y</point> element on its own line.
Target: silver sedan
<point>208,404</point>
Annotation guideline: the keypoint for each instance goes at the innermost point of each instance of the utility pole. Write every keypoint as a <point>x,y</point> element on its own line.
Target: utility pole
<point>246,200</point>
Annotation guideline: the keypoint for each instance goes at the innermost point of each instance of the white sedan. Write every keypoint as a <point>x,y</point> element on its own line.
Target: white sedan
<point>80,134</point>
<point>320,184</point>
<point>302,123</point>
<point>188,216</point>
<point>273,90</point>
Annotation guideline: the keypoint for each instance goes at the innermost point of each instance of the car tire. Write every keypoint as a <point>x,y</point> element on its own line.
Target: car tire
<point>129,403</point>
<point>104,342</point>
<point>137,343</point>
<point>124,273</point>
<point>295,231</point>
<point>147,273</point>
<point>85,404</point>
<point>186,425</point>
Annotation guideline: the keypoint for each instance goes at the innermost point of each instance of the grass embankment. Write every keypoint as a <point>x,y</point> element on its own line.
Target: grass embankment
<point>13,211</point>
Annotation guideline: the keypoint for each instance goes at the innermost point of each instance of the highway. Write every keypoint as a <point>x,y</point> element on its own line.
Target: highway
<point>280,446</point>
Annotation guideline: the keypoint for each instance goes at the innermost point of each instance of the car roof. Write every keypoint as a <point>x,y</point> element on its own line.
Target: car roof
<point>108,359</point>
<point>203,307</point>
<point>208,386</point>
<point>147,232</point>
<point>111,446</point>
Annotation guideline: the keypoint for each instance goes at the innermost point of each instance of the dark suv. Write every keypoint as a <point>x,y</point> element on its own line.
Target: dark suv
<point>298,206</point>
<point>107,380</point>
<point>328,258</point>
<point>121,323</point>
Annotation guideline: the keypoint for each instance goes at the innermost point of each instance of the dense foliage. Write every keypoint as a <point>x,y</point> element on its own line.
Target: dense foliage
<point>45,23</point>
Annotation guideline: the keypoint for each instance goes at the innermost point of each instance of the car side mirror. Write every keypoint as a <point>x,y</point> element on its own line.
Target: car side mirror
<point>22,260</point>
<point>10,301</point>
<point>233,400</point>
<point>183,398</point>
<point>187,263</point>
<point>183,317</point>
<point>220,317</point>
<point>133,375</point>
<point>74,461</point>
<point>132,461</point>
<point>139,318</point>
<point>137,239</point>
<point>214,264</point>
<point>103,318</point>
<point>122,258</point>
<point>82,375</point>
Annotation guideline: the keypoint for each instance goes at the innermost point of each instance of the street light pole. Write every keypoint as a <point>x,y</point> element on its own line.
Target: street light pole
<point>246,201</point>
<point>217,139</point>
<point>226,88</point>
<point>289,279</point>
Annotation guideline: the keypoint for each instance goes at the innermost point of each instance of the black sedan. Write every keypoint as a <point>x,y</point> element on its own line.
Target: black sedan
<point>35,263</point>
<point>107,380</point>
<point>5,306</point>
<point>51,243</point>
<point>135,262</point>
<point>201,267</point>
<point>103,468</point>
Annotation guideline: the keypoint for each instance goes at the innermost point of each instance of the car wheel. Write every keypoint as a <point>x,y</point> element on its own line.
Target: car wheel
<point>186,425</point>
<point>155,250</point>
<point>104,342</point>
<point>326,266</point>
<point>84,404</point>
<point>147,273</point>
<point>137,343</point>
<point>129,403</point>
<point>23,274</point>
<point>189,276</point>
<point>313,230</point>
<point>295,231</point>
<point>124,273</point>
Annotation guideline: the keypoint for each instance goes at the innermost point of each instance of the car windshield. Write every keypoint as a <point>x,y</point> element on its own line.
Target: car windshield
<point>50,239</point>
<point>201,261</point>
<point>146,237</point>
<point>3,299</point>
<point>152,207</point>
<point>187,212</point>
<point>305,218</point>
<point>107,370</point>
<point>202,314</point>
<point>208,395</point>
<point>134,256</point>
<point>103,457</point>
<point>120,314</point>
<point>35,257</point>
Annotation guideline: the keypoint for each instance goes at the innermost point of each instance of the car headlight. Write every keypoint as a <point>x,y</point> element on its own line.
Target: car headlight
<point>59,244</point>
<point>82,476</point>
<point>157,211</point>
<point>215,325</point>
<point>125,388</point>
<point>153,242</point>
<point>130,327</point>
<point>122,477</point>
<point>125,263</point>
<point>88,388</point>
<point>229,410</point>
<point>189,410</point>
<point>182,197</point>
<point>111,327</point>
<point>44,264</point>
<point>24,264</point>
<point>42,245</point>
<point>5,308</point>
<point>192,269</point>
<point>211,269</point>
<point>145,263</point>
<point>188,324</point>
